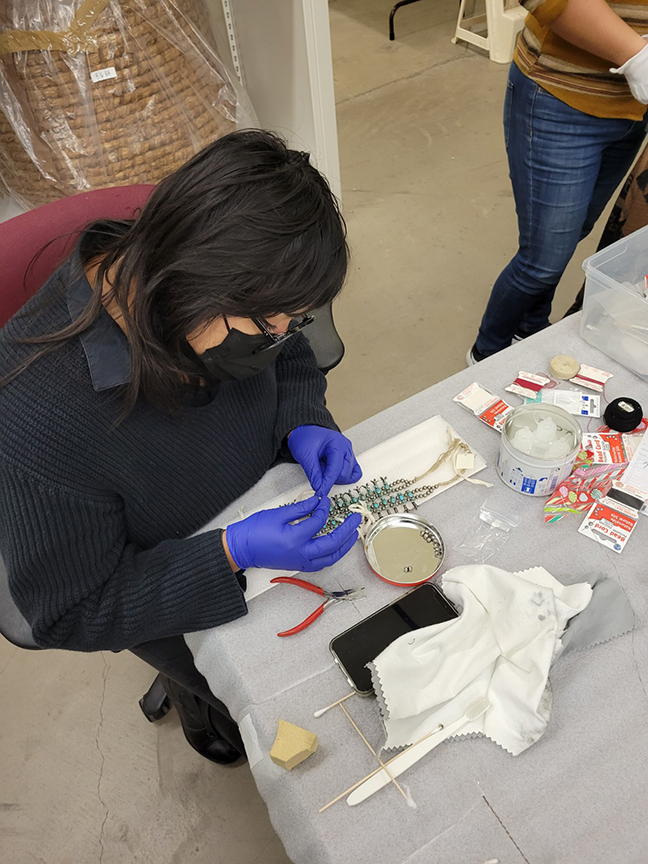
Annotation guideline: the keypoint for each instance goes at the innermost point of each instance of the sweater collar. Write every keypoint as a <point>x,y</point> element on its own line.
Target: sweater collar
<point>104,342</point>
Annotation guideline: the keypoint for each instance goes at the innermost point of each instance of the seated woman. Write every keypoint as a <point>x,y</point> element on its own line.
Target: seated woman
<point>155,378</point>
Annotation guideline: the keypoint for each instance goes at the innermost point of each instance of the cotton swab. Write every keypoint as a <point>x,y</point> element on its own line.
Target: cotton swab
<point>360,782</point>
<point>408,798</point>
<point>328,707</point>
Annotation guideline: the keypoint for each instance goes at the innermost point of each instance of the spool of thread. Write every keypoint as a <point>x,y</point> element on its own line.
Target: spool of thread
<point>624,414</point>
<point>564,367</point>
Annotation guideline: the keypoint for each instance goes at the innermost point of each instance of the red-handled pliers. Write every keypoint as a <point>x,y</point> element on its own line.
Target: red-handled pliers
<point>331,597</point>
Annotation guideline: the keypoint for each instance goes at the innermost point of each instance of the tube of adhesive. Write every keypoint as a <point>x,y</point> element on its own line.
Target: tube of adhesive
<point>572,401</point>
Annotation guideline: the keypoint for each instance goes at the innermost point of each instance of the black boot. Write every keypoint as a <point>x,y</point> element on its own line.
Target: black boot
<point>200,724</point>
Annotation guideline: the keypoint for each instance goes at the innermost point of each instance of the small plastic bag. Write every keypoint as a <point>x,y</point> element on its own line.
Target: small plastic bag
<point>488,531</point>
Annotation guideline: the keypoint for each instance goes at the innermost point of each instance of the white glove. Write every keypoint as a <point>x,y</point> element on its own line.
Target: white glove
<point>636,72</point>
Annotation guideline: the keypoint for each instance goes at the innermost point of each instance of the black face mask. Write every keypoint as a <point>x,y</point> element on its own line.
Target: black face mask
<point>235,358</point>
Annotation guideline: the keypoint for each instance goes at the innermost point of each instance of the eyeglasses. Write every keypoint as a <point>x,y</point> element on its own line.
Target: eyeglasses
<point>275,339</point>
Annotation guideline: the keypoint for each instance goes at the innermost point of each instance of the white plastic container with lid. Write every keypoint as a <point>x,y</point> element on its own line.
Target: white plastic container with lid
<point>538,448</point>
<point>615,308</point>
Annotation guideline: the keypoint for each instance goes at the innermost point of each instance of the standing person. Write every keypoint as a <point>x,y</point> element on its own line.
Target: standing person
<point>572,128</point>
<point>629,214</point>
<point>150,383</point>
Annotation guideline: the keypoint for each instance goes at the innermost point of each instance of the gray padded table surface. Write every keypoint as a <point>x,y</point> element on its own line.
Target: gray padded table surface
<point>577,797</point>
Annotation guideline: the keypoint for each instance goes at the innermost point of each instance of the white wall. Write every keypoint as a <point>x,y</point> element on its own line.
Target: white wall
<point>285,50</point>
<point>8,209</point>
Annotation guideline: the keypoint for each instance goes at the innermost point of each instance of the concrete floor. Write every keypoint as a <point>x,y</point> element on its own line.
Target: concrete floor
<point>83,777</point>
<point>427,200</point>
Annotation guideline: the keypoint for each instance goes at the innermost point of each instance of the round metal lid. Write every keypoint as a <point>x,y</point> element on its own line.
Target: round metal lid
<point>404,549</point>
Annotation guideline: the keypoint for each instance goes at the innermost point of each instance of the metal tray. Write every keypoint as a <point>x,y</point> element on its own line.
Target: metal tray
<point>404,549</point>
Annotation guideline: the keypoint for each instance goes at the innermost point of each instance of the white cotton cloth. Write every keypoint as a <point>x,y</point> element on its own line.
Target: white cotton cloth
<point>501,647</point>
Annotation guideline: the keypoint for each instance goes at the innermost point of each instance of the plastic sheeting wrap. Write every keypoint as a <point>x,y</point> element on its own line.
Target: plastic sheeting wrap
<point>107,92</point>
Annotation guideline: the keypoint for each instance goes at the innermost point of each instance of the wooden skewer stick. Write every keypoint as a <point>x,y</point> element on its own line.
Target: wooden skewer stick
<point>377,770</point>
<point>328,707</point>
<point>380,762</point>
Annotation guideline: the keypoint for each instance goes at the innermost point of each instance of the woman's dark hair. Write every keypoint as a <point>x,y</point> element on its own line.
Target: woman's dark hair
<point>245,228</point>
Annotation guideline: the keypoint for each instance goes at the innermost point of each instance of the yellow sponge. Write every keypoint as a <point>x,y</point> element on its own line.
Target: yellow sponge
<point>292,745</point>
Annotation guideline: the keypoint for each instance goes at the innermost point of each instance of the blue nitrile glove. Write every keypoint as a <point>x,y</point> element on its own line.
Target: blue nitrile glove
<point>267,539</point>
<point>326,457</point>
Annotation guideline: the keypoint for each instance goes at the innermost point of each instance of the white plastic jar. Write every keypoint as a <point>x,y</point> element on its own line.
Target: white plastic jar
<point>527,473</point>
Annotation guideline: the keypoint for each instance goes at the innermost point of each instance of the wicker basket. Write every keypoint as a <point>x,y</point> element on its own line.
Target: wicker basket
<point>63,133</point>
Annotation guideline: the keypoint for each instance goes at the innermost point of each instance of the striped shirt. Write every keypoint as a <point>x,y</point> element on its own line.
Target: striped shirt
<point>576,77</point>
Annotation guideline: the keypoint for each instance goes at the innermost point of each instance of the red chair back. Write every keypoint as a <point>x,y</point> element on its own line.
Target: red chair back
<point>59,225</point>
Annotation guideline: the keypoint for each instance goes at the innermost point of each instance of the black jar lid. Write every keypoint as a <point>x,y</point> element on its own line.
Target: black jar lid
<point>623,414</point>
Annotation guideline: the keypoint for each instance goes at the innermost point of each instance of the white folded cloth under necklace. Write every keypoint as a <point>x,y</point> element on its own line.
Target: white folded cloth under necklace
<point>501,647</point>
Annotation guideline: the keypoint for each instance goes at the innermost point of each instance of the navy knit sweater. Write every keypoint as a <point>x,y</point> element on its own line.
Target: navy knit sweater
<point>95,517</point>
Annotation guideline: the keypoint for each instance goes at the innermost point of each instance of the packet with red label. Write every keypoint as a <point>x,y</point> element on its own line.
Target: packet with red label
<point>612,520</point>
<point>490,409</point>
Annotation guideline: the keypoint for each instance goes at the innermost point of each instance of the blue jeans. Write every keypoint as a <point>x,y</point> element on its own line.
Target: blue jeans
<point>564,166</point>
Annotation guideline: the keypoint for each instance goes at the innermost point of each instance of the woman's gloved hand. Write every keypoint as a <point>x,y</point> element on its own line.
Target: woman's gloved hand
<point>267,538</point>
<point>636,72</point>
<point>325,455</point>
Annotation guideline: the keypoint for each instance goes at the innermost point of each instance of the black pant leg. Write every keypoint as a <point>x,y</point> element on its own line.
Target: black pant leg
<point>172,658</point>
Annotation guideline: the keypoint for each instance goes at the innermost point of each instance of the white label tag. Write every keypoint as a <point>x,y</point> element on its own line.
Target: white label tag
<point>464,461</point>
<point>103,74</point>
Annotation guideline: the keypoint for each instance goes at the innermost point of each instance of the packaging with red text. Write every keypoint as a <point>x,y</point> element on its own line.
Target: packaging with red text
<point>490,409</point>
<point>610,522</point>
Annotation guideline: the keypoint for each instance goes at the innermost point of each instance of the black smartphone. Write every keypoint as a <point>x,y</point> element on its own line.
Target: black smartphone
<point>363,642</point>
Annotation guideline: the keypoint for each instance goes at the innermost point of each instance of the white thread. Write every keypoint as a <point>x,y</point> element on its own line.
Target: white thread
<point>368,518</point>
<point>455,446</point>
<point>460,471</point>
<point>564,367</point>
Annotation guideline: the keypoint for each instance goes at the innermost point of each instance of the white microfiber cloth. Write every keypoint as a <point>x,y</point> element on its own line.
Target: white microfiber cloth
<point>501,647</point>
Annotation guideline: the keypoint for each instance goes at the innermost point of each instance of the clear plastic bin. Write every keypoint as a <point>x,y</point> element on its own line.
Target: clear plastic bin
<point>615,309</point>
